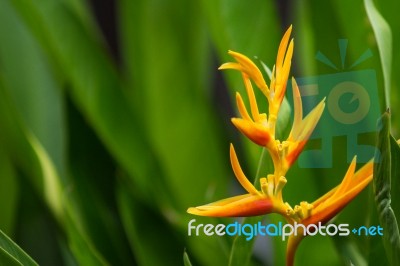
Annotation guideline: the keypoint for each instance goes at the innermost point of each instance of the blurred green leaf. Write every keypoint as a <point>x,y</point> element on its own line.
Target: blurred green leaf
<point>253,30</point>
<point>388,10</point>
<point>12,254</point>
<point>37,97</point>
<point>242,249</point>
<point>383,36</point>
<point>186,260</point>
<point>382,187</point>
<point>349,251</point>
<point>168,66</point>
<point>79,242</point>
<point>95,89</point>
<point>9,190</point>
<point>151,238</point>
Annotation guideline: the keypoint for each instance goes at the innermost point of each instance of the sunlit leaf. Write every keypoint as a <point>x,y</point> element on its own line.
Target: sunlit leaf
<point>383,36</point>
<point>12,254</point>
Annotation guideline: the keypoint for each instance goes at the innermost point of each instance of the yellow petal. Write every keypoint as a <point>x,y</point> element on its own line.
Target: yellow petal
<point>246,184</point>
<point>242,108</point>
<point>282,50</point>
<point>298,107</point>
<point>252,98</point>
<point>283,75</point>
<point>251,70</point>
<point>231,65</point>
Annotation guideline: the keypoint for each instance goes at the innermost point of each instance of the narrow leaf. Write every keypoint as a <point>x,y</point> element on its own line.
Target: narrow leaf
<point>12,254</point>
<point>383,36</point>
<point>186,260</point>
<point>382,187</point>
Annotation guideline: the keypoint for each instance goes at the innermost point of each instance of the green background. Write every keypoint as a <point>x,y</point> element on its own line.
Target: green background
<point>114,120</point>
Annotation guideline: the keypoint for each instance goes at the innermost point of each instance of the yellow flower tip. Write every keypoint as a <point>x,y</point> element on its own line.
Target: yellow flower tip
<point>248,67</point>
<point>282,51</point>
<point>238,206</point>
<point>231,65</point>
<point>258,133</point>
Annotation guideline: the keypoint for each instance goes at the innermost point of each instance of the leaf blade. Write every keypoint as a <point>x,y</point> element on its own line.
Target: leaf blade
<point>382,187</point>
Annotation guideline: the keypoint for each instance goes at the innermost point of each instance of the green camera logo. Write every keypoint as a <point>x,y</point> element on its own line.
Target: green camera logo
<point>352,109</point>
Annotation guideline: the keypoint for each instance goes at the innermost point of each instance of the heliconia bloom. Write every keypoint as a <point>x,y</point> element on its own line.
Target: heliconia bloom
<point>260,128</point>
<point>268,200</point>
<point>330,204</point>
<point>256,126</point>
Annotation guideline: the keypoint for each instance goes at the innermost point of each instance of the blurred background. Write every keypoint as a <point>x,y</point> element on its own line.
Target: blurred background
<point>114,120</point>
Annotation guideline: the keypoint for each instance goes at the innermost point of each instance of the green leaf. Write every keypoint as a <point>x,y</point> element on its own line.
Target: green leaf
<point>395,176</point>
<point>33,90</point>
<point>12,254</point>
<point>96,89</point>
<point>9,191</point>
<point>349,251</point>
<point>151,239</point>
<point>186,260</point>
<point>241,251</point>
<point>382,188</point>
<point>182,105</point>
<point>383,36</point>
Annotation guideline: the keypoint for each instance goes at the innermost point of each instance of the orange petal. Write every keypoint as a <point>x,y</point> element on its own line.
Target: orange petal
<point>324,212</point>
<point>258,133</point>
<point>239,206</point>
<point>294,151</point>
<point>246,184</point>
<point>345,185</point>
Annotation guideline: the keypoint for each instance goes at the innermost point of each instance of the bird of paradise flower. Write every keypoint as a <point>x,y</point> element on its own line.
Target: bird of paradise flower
<point>260,128</point>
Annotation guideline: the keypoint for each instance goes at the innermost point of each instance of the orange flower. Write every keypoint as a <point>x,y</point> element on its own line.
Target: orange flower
<point>260,128</point>
<point>330,204</point>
